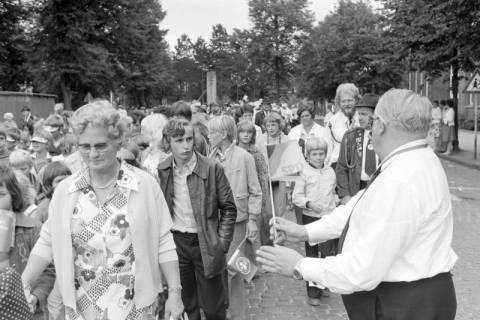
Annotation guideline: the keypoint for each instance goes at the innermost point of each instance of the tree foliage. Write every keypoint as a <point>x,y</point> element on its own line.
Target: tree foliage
<point>12,44</point>
<point>100,46</point>
<point>68,49</point>
<point>139,53</point>
<point>348,46</point>
<point>436,36</point>
<point>279,27</point>
<point>187,71</point>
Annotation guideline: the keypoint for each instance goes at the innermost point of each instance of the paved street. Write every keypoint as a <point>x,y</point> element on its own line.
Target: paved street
<point>466,140</point>
<point>276,297</point>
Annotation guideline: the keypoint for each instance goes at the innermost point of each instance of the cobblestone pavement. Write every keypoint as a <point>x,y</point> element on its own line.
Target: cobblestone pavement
<point>465,189</point>
<point>276,297</point>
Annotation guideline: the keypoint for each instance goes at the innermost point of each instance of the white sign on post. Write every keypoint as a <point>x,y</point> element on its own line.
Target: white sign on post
<point>473,86</point>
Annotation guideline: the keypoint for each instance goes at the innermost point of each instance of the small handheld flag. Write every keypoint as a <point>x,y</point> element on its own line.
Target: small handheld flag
<point>242,264</point>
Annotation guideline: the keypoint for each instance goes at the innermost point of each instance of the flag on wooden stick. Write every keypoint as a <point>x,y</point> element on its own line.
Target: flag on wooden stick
<point>285,161</point>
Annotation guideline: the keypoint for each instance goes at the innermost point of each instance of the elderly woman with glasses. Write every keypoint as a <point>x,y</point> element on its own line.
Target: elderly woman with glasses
<point>108,230</point>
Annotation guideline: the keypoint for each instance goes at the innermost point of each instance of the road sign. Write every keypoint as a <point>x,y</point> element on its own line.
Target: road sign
<point>473,85</point>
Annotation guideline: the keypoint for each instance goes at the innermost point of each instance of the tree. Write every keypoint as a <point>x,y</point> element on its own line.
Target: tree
<point>12,45</point>
<point>68,47</point>
<point>188,75</point>
<point>101,46</point>
<point>139,52</point>
<point>279,27</point>
<point>436,36</point>
<point>348,46</point>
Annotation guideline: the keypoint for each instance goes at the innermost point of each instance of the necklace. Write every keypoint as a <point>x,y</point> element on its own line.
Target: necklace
<point>108,184</point>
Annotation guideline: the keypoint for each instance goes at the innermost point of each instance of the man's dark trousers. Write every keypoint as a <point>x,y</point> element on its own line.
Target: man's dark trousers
<point>198,292</point>
<point>425,299</point>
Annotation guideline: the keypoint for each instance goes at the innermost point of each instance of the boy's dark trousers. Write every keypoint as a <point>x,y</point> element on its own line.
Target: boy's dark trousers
<point>327,248</point>
<point>312,252</point>
<point>211,295</point>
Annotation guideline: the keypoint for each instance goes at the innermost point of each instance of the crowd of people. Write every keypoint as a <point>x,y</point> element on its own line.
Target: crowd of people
<point>443,126</point>
<point>113,207</point>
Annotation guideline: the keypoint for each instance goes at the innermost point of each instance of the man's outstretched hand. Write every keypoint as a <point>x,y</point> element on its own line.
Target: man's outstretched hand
<point>282,229</point>
<point>278,259</point>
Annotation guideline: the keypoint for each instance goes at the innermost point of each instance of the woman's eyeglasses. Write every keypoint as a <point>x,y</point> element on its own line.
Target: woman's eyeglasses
<point>99,147</point>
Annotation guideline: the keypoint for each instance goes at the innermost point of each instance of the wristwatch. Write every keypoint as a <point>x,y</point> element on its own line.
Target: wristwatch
<point>297,275</point>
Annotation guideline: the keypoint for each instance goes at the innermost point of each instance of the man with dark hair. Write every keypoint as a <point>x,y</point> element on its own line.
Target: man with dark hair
<point>260,115</point>
<point>247,114</point>
<point>182,109</point>
<point>27,121</point>
<point>203,211</point>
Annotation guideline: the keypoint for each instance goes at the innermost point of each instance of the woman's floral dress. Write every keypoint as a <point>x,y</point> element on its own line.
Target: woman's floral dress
<point>104,261</point>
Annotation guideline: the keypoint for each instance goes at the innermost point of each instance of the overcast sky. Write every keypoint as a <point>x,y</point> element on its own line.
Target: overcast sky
<point>196,17</point>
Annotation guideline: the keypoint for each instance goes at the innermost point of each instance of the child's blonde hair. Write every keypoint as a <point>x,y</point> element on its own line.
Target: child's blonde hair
<point>20,158</point>
<point>315,143</point>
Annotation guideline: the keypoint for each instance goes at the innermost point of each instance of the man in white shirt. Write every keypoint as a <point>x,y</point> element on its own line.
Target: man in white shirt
<point>346,96</point>
<point>395,252</point>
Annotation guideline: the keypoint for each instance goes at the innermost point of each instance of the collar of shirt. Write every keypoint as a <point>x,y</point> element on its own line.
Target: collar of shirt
<point>314,129</point>
<point>321,170</point>
<point>188,167</point>
<point>388,159</point>
<point>34,156</point>
<point>340,117</point>
<point>126,179</point>
<point>222,156</point>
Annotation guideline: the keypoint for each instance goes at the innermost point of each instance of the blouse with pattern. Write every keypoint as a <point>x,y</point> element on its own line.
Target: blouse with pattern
<point>104,261</point>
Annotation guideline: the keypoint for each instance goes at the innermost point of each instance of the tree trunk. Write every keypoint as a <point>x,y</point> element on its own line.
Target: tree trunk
<point>277,76</point>
<point>66,87</point>
<point>455,69</point>
<point>277,59</point>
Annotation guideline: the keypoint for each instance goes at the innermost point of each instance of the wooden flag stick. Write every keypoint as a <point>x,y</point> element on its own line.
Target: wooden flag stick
<point>275,234</point>
<point>272,203</point>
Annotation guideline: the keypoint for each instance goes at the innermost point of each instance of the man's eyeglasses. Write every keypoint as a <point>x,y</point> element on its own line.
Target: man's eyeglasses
<point>99,147</point>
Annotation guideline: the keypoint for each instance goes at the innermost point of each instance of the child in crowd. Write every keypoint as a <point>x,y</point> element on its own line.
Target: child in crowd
<point>24,141</point>
<point>28,192</point>
<point>41,141</point>
<point>13,137</point>
<point>315,194</point>
<point>67,146</point>
<point>21,160</point>
<point>53,174</point>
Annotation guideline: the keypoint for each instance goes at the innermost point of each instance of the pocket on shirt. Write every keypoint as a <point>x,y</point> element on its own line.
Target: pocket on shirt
<point>235,180</point>
<point>242,206</point>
